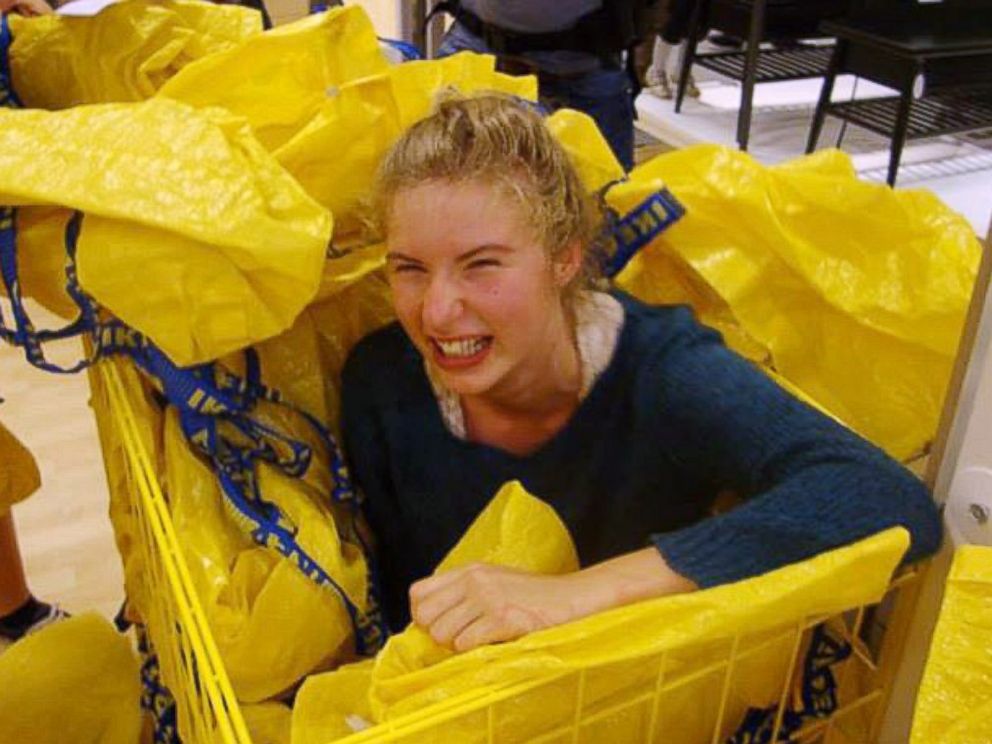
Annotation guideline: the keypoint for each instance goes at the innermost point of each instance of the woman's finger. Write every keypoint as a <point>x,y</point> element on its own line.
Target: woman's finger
<point>483,631</point>
<point>428,605</point>
<point>421,589</point>
<point>449,625</point>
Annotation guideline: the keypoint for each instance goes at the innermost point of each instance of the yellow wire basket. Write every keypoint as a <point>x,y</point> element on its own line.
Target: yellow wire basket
<point>661,700</point>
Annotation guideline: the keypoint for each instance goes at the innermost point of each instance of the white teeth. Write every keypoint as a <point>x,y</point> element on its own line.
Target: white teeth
<point>462,347</point>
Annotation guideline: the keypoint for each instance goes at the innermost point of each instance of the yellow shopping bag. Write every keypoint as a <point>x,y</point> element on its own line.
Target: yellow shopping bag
<point>124,53</point>
<point>853,292</point>
<point>620,649</point>
<point>74,681</point>
<point>954,703</point>
<point>193,235</point>
<point>335,156</point>
<point>278,80</point>
<point>19,476</point>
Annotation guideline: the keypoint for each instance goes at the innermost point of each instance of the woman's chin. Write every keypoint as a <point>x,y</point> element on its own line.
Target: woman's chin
<point>464,382</point>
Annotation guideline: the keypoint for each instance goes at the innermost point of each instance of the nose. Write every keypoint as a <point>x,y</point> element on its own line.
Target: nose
<point>443,303</point>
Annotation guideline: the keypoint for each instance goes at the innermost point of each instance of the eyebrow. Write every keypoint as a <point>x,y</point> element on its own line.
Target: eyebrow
<point>396,256</point>
<point>467,256</point>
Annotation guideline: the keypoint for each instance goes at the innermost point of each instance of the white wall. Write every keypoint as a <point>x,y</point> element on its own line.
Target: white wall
<point>385,15</point>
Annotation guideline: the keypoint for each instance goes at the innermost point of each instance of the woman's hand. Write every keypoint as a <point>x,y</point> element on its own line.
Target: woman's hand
<point>483,603</point>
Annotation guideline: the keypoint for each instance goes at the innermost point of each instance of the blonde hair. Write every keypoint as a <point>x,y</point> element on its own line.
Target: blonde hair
<point>499,140</point>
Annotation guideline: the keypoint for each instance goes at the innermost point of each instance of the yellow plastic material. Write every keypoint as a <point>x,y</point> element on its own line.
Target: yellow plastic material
<point>853,292</point>
<point>696,688</point>
<point>954,703</point>
<point>74,681</point>
<point>158,578</point>
<point>514,530</point>
<point>279,79</point>
<point>272,624</point>
<point>412,673</point>
<point>268,723</point>
<point>19,476</point>
<point>193,234</point>
<point>124,53</point>
<point>336,155</point>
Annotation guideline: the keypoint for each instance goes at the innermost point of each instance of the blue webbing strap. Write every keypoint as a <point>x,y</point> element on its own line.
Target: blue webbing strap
<point>23,332</point>
<point>407,50</point>
<point>8,97</point>
<point>818,693</point>
<point>156,699</point>
<point>630,233</point>
<point>215,409</point>
<point>214,413</point>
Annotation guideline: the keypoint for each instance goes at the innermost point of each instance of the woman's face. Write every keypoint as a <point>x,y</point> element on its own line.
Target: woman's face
<point>473,287</point>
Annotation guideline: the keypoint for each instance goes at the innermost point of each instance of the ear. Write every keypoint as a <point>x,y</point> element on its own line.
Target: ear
<point>568,263</point>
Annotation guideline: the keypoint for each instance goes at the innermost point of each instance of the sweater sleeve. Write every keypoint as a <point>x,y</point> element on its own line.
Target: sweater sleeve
<point>809,483</point>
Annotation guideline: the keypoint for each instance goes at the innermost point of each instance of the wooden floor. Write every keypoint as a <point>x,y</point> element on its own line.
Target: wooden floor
<point>63,529</point>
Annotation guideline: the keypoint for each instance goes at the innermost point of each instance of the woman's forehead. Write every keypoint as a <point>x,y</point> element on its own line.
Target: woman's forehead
<point>470,213</point>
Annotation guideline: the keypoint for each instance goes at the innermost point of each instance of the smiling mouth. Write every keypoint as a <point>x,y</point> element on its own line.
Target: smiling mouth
<point>460,351</point>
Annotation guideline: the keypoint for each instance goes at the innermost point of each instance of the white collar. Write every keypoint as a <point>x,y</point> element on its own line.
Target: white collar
<point>598,322</point>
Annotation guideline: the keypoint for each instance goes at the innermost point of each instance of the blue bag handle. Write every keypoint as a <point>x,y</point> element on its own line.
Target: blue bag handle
<point>211,402</point>
<point>8,97</point>
<point>23,332</point>
<point>819,694</point>
<point>627,235</point>
<point>206,401</point>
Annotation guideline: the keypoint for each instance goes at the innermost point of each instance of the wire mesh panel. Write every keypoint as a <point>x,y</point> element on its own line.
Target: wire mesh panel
<point>158,580</point>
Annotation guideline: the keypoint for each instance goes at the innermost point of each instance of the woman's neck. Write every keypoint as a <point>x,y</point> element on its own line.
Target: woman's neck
<point>533,405</point>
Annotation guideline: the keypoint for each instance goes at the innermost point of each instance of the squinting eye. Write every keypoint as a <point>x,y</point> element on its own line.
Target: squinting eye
<point>406,268</point>
<point>484,263</point>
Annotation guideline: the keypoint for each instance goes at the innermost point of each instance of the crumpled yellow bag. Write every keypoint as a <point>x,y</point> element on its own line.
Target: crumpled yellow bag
<point>620,649</point>
<point>335,156</point>
<point>272,624</point>
<point>278,80</point>
<point>74,682</point>
<point>268,723</point>
<point>19,476</point>
<point>954,702</point>
<point>193,235</point>
<point>124,53</point>
<point>853,292</point>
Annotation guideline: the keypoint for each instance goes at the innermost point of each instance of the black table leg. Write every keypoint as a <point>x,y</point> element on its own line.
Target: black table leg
<point>826,91</point>
<point>899,132</point>
<point>750,72</point>
<point>699,11</point>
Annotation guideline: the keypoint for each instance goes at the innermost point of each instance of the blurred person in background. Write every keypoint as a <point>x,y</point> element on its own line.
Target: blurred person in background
<point>580,50</point>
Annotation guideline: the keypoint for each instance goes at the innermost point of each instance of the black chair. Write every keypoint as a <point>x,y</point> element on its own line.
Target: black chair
<point>937,57</point>
<point>786,23</point>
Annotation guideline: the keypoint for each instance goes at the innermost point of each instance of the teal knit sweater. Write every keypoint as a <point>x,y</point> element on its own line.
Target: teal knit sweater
<point>675,419</point>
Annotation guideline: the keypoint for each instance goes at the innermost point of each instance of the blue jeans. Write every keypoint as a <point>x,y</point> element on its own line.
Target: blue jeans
<point>604,93</point>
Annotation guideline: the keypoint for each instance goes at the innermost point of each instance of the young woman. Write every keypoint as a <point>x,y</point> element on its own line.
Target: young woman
<point>628,419</point>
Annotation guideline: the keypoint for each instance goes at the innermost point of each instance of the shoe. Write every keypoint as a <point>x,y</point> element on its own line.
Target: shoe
<point>725,40</point>
<point>666,87</point>
<point>32,617</point>
<point>690,86</point>
<point>662,89</point>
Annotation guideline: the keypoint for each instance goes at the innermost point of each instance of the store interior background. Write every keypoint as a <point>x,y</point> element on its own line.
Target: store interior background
<point>65,534</point>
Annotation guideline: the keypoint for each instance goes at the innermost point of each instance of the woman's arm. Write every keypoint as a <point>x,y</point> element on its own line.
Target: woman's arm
<point>810,484</point>
<point>483,603</point>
